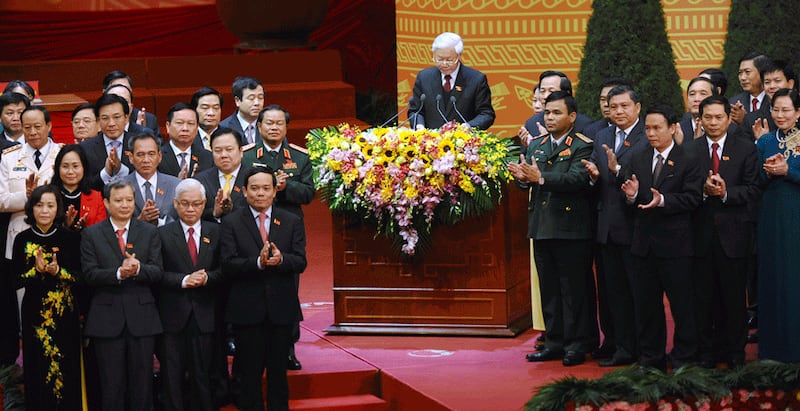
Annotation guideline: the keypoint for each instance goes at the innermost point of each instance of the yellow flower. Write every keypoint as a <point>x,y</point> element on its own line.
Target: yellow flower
<point>446,145</point>
<point>466,184</point>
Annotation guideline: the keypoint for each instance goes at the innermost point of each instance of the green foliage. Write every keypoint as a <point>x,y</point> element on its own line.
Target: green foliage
<point>648,385</point>
<point>627,38</point>
<point>769,26</point>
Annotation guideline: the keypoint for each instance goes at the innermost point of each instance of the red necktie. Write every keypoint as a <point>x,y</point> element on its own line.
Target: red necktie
<point>447,83</point>
<point>715,158</point>
<point>121,240</point>
<point>755,104</point>
<point>192,246</point>
<point>262,228</point>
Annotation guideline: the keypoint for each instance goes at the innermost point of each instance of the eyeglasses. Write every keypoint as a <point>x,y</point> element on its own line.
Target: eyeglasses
<point>443,62</point>
<point>196,204</point>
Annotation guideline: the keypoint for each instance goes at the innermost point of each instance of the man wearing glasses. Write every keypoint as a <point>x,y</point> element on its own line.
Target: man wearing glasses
<point>450,91</point>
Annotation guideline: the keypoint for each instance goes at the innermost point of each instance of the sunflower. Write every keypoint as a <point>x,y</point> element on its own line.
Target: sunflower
<point>446,145</point>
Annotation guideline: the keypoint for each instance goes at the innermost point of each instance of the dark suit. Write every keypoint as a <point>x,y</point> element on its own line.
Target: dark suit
<point>200,157</point>
<point>9,314</point>
<point>744,98</point>
<point>150,120</point>
<point>581,123</point>
<point>764,112</point>
<point>232,122</point>
<point>595,127</point>
<point>96,155</point>
<point>662,248</point>
<point>299,189</point>
<point>123,318</point>
<point>472,93</point>
<point>263,303</point>
<point>724,236</point>
<point>163,194</point>
<point>188,315</point>
<point>210,180</point>
<point>219,368</point>
<point>614,232</point>
<point>559,216</point>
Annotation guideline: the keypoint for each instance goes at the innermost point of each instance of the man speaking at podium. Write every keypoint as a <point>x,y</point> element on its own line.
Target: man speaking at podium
<point>450,90</point>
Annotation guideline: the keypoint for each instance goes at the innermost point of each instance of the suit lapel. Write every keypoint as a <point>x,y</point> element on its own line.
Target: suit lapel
<point>111,238</point>
<point>181,244</point>
<point>160,191</point>
<point>168,158</point>
<point>250,225</point>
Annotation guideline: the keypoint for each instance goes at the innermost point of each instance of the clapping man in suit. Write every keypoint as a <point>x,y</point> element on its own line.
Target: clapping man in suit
<point>208,104</point>
<point>613,147</point>
<point>184,155</point>
<point>560,216</point>
<point>154,190</point>
<point>105,152</point>
<point>453,91</point>
<point>752,95</point>
<point>190,248</point>
<point>248,94</point>
<point>263,247</point>
<point>292,168</point>
<point>121,260</point>
<point>663,184</point>
<point>724,234</point>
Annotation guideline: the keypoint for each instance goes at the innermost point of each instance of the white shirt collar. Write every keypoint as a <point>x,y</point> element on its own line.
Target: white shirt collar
<point>186,227</point>
<point>153,182</point>
<point>45,150</point>
<point>453,76</point>
<point>665,153</point>
<point>178,151</point>
<point>628,130</point>
<point>721,142</point>
<point>243,122</point>
<point>255,213</point>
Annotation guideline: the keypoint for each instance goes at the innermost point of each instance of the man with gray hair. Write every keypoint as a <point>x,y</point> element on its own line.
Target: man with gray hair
<point>190,249</point>
<point>450,91</point>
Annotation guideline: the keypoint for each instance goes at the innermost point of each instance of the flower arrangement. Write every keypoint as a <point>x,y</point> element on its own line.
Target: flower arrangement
<point>53,307</point>
<point>405,180</point>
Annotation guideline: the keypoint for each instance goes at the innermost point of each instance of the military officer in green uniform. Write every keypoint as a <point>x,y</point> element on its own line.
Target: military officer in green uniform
<point>560,224</point>
<point>292,170</point>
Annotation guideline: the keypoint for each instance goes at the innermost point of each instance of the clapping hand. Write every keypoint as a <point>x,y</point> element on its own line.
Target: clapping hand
<point>51,268</point>
<point>129,267</point>
<point>270,255</point>
<point>113,162</point>
<point>222,203</point>
<point>150,212</point>
<point>196,279</point>
<point>30,183</point>
<point>776,165</point>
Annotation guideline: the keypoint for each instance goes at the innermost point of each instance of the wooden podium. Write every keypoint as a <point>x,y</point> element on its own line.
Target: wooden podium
<point>474,281</point>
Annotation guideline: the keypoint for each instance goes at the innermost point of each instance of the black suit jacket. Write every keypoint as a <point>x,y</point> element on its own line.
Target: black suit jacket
<point>665,231</point>
<point>614,219</point>
<point>176,304</point>
<point>733,219</point>
<point>150,120</point>
<point>232,122</point>
<point>210,180</point>
<point>595,127</point>
<point>96,155</point>
<point>472,93</point>
<point>200,157</point>
<point>764,112</point>
<point>268,294</point>
<point>118,304</point>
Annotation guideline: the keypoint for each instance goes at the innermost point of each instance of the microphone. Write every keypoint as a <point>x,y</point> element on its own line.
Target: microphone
<point>398,113</point>
<point>438,100</point>
<point>416,113</point>
<point>453,100</point>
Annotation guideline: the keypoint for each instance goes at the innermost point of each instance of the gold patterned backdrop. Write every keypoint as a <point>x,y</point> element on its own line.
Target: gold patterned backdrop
<point>512,41</point>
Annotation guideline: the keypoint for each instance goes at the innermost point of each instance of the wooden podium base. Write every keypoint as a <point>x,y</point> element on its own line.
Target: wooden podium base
<point>474,281</point>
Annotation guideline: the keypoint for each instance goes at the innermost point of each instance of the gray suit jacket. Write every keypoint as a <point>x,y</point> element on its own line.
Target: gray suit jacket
<point>163,195</point>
